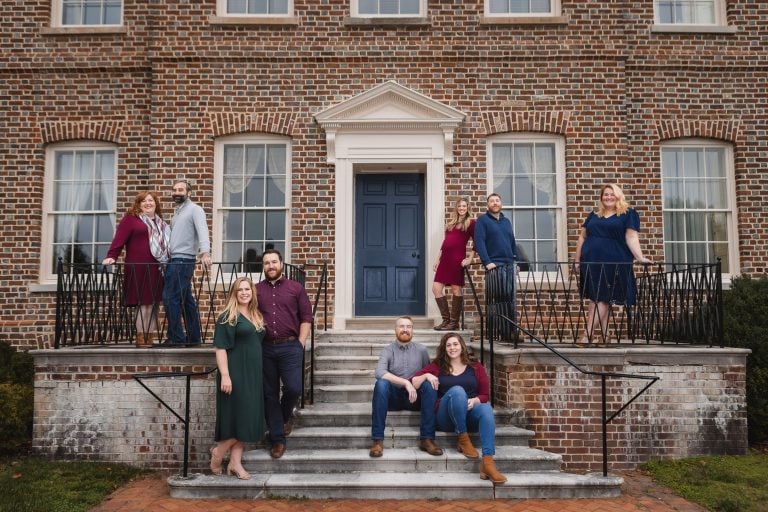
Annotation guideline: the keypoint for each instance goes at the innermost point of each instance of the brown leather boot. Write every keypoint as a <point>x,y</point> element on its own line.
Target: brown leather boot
<point>465,446</point>
<point>442,304</point>
<point>488,470</point>
<point>139,340</point>
<point>457,306</point>
<point>149,339</point>
<point>377,449</point>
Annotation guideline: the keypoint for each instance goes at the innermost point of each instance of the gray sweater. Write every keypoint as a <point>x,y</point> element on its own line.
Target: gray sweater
<point>189,231</point>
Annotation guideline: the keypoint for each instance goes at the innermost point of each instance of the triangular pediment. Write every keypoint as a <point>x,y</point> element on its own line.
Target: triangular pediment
<point>390,105</point>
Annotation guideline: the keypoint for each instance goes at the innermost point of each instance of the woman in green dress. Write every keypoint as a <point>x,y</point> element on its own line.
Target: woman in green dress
<point>239,396</point>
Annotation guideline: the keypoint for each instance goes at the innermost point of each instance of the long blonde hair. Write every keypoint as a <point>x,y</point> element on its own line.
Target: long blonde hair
<point>621,202</point>
<point>229,315</point>
<point>457,220</point>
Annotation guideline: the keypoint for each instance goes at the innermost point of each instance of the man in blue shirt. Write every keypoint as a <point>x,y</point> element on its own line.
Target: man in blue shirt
<point>494,241</point>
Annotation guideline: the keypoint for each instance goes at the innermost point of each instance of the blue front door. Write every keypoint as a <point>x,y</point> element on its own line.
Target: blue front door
<point>389,244</point>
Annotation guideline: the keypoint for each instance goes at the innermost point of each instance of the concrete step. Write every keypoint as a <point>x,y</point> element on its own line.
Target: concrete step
<point>344,393</point>
<point>335,377</point>
<point>329,438</point>
<point>359,415</point>
<point>509,459</point>
<point>377,485</point>
<point>349,363</point>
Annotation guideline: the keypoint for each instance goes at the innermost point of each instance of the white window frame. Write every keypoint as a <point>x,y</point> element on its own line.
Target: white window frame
<point>221,11</point>
<point>730,211</point>
<point>561,234</point>
<point>218,209</point>
<point>554,6</point>
<point>57,12</point>
<point>47,276</point>
<point>355,11</point>
<point>718,7</point>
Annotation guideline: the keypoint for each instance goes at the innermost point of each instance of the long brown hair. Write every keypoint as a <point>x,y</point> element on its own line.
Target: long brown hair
<point>443,361</point>
<point>229,315</point>
<point>458,220</point>
<point>135,208</point>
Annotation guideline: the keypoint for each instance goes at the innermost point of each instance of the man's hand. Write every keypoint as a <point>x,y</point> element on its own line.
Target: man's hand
<point>206,260</point>
<point>412,394</point>
<point>490,266</point>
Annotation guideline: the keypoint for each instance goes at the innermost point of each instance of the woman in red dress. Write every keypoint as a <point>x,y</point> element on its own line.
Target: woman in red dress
<point>449,269</point>
<point>144,235</point>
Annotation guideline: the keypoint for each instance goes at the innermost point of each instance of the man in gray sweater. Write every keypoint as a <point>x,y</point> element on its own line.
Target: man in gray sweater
<point>189,236</point>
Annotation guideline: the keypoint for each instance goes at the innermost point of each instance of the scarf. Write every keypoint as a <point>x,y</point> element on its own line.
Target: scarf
<point>159,237</point>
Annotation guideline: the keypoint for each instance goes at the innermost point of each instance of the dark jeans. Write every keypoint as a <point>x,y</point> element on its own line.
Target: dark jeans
<point>281,362</point>
<point>177,297</point>
<point>500,286</point>
<point>388,397</point>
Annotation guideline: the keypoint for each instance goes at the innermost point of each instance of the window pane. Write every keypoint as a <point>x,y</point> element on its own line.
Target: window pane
<point>71,13</point>
<point>694,194</point>
<point>63,227</point>
<point>233,160</point>
<point>105,228</point>
<point>112,13</point>
<point>252,257</point>
<point>545,224</point>
<point>715,161</point>
<point>275,226</point>
<point>82,254</point>
<point>92,13</point>
<point>665,12</point>
<point>367,6</point>
<point>704,12</point>
<point>674,252</point>
<point>523,191</point>
<point>673,193</point>
<point>278,6</point>
<point>84,165</point>
<point>695,224</point>
<point>545,190</point>
<point>545,158</point>
<point>503,187</point>
<point>276,191</point>
<point>523,159</point>
<point>409,6</point>
<point>233,225</point>
<point>716,194</point>
<point>717,227</point>
<point>231,252</point>
<point>674,226</point>
<point>691,164</point>
<point>388,6</point>
<point>258,6</point>
<point>518,6</point>
<point>254,225</point>
<point>721,251</point>
<point>498,6</point>
<point>64,165</point>
<point>540,6</point>
<point>236,6</point>
<point>84,228</point>
<point>255,163</point>
<point>546,252</point>
<point>670,163</point>
<point>526,251</point>
<point>696,253</point>
<point>254,192</point>
<point>502,159</point>
<point>523,224</point>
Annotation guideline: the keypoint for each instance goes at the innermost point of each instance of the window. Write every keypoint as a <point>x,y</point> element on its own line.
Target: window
<point>255,7</point>
<point>528,172</point>
<point>252,198</point>
<point>80,204</point>
<point>697,184</point>
<point>690,12</point>
<point>522,7</point>
<point>79,13</point>
<point>388,8</point>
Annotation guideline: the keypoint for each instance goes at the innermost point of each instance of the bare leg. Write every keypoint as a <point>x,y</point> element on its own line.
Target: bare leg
<point>603,309</point>
<point>456,290</point>
<point>437,289</point>
<point>218,451</point>
<point>236,462</point>
<point>587,337</point>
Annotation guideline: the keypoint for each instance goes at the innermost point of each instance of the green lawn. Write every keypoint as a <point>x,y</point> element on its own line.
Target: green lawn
<point>720,484</point>
<point>31,484</point>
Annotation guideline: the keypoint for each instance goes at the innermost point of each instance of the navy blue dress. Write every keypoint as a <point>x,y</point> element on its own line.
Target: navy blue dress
<point>606,262</point>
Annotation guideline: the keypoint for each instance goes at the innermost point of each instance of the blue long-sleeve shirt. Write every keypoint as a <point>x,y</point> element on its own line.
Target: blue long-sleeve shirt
<point>494,240</point>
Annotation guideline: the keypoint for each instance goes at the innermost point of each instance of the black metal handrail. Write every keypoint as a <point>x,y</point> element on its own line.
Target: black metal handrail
<point>185,420</point>
<point>603,376</point>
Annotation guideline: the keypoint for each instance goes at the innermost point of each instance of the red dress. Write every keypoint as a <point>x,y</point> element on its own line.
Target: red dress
<point>453,250</point>
<point>142,283</point>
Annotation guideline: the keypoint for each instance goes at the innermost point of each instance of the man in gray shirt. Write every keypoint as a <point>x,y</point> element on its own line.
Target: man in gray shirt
<point>189,236</point>
<point>394,392</point>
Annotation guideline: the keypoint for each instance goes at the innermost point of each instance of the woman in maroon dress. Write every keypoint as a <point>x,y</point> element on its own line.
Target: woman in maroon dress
<point>144,235</point>
<point>449,269</point>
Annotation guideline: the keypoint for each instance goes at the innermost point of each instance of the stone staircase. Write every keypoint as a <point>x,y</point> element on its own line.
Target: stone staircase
<point>327,455</point>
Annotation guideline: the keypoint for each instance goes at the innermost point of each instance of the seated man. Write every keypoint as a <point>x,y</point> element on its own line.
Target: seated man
<point>394,392</point>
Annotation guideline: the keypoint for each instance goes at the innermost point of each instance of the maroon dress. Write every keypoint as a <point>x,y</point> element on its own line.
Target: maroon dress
<point>454,249</point>
<point>142,283</point>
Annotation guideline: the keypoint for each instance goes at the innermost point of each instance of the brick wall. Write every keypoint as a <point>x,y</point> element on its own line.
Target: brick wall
<point>697,407</point>
<point>88,406</point>
<point>160,87</point>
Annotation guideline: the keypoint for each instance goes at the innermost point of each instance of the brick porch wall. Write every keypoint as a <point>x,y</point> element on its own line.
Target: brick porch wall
<point>87,405</point>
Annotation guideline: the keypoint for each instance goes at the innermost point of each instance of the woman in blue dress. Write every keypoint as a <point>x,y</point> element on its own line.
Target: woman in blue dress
<point>607,246</point>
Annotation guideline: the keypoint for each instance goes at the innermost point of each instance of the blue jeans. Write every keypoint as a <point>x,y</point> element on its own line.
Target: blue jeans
<point>500,286</point>
<point>281,363</point>
<point>388,397</point>
<point>177,296</point>
<point>454,416</point>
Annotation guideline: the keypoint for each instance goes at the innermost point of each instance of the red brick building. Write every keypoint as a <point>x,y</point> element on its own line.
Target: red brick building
<point>283,113</point>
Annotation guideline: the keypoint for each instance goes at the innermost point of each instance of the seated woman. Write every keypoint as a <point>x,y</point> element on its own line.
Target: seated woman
<point>462,401</point>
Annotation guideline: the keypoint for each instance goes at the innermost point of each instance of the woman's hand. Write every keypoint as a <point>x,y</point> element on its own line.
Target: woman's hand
<point>466,261</point>
<point>644,260</point>
<point>434,381</point>
<point>226,385</point>
<point>108,261</point>
<point>471,402</point>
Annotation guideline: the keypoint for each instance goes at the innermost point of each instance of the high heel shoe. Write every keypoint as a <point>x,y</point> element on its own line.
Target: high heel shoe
<point>241,473</point>
<point>216,461</point>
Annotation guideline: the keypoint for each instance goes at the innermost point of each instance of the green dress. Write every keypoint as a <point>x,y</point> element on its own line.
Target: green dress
<point>240,415</point>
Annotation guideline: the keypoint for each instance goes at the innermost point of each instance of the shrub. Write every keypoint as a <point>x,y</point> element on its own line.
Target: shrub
<point>16,399</point>
<point>746,326</point>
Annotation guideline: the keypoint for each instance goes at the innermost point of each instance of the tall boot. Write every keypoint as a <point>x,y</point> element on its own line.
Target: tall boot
<point>465,446</point>
<point>442,304</point>
<point>457,306</point>
<point>139,340</point>
<point>488,470</point>
<point>149,340</point>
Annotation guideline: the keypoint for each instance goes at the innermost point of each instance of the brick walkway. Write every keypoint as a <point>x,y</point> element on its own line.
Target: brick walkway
<point>639,494</point>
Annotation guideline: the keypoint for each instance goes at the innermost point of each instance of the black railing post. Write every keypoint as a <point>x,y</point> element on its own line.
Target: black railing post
<point>605,427</point>
<point>186,425</point>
